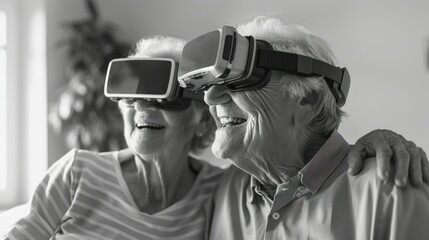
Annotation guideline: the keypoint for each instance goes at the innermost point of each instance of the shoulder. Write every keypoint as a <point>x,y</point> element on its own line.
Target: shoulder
<point>86,158</point>
<point>368,174</point>
<point>367,181</point>
<point>210,173</point>
<point>63,164</point>
<point>233,181</point>
<point>401,210</point>
<point>83,164</point>
<point>234,174</point>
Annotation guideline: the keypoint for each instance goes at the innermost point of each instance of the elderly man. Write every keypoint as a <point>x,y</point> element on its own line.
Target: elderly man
<point>289,176</point>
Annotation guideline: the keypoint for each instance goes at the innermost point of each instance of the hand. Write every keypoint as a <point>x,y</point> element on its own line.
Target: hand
<point>410,161</point>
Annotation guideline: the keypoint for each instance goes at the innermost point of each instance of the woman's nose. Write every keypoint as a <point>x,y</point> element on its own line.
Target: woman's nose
<point>217,94</point>
<point>143,105</point>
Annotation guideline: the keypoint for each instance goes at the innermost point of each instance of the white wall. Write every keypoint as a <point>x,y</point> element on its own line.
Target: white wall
<point>384,44</point>
<point>58,13</point>
<point>27,110</point>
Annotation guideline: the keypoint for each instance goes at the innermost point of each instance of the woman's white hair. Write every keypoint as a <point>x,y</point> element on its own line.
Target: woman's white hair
<point>159,46</point>
<point>171,47</point>
<point>292,38</point>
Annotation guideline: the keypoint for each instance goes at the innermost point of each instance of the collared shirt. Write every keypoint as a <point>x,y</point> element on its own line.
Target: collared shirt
<point>321,202</point>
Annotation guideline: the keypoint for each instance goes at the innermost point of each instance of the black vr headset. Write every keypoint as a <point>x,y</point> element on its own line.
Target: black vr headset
<point>243,63</point>
<point>150,79</point>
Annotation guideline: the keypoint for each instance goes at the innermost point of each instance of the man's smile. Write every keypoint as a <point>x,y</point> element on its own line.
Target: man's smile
<point>147,125</point>
<point>231,121</point>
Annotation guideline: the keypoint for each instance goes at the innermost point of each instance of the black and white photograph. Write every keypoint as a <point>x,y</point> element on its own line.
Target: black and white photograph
<point>214,120</point>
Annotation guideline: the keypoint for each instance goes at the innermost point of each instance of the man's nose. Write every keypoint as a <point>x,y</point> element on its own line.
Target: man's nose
<point>217,94</point>
<point>143,105</point>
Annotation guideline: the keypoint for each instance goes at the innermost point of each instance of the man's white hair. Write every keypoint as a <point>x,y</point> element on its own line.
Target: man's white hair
<point>292,38</point>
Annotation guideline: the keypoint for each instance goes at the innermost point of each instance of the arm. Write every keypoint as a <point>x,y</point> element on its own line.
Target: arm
<point>387,146</point>
<point>49,203</point>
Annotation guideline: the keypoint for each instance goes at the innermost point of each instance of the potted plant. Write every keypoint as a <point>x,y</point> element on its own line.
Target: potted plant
<point>83,115</point>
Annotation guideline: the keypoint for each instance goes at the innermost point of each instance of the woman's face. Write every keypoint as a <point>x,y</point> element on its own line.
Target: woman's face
<point>251,124</point>
<point>150,130</point>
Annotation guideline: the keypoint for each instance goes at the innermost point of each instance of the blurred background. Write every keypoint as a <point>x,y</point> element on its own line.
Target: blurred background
<point>53,55</point>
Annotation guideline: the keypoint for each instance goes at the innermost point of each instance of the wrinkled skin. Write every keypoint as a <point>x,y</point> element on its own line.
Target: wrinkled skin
<point>159,142</point>
<point>409,160</point>
<point>253,145</point>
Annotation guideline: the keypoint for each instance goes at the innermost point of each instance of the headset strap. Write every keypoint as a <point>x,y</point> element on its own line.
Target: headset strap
<point>298,64</point>
<point>307,66</point>
<point>195,95</point>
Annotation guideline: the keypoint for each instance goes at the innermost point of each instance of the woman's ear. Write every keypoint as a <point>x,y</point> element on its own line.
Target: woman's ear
<point>307,108</point>
<point>204,124</point>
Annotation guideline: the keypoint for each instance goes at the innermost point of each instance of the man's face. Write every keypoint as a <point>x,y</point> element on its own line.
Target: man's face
<point>251,124</point>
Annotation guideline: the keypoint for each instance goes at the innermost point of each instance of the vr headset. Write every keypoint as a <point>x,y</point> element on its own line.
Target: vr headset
<point>243,63</point>
<point>150,79</point>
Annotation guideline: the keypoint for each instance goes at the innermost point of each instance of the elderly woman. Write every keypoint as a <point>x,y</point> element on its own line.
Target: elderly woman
<point>154,189</point>
<point>289,178</point>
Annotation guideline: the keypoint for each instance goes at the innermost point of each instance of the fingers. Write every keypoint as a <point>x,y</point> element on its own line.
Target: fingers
<point>356,157</point>
<point>402,162</point>
<point>416,174</point>
<point>384,154</point>
<point>381,148</point>
<point>424,164</point>
<point>409,161</point>
<point>416,171</point>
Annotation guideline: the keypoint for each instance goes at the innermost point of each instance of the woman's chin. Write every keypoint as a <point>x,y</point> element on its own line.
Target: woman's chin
<point>145,150</point>
<point>145,147</point>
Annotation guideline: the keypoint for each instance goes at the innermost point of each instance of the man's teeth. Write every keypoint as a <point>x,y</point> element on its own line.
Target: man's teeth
<point>231,121</point>
<point>149,125</point>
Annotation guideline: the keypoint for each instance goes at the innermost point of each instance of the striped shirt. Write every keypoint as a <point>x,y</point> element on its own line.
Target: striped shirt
<point>84,196</point>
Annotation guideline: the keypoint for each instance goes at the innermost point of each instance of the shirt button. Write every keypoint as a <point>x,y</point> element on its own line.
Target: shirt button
<point>301,189</point>
<point>276,216</point>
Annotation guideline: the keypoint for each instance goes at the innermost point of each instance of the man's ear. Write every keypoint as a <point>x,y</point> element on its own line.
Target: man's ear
<point>307,108</point>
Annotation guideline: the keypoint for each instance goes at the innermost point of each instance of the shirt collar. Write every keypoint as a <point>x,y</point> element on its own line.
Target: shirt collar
<point>318,169</point>
<point>324,162</point>
<point>255,188</point>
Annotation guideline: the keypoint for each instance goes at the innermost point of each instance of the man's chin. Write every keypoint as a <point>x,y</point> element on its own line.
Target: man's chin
<point>228,142</point>
<point>225,149</point>
<point>220,151</point>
